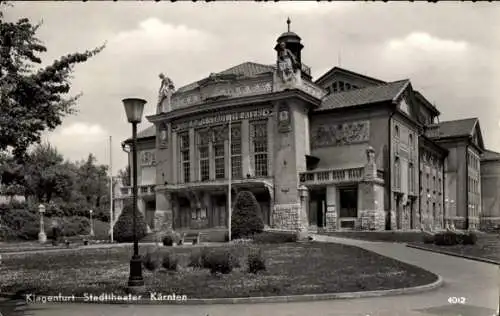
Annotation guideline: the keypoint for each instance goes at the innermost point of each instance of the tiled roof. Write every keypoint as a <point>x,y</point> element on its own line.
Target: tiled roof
<point>338,69</point>
<point>490,155</point>
<point>371,94</point>
<point>145,133</point>
<point>463,127</point>
<point>247,69</point>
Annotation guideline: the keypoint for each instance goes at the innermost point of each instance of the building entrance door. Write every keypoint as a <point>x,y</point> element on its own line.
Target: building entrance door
<point>218,216</point>
<point>317,208</point>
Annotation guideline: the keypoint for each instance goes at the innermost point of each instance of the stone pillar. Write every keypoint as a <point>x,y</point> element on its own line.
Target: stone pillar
<point>371,197</point>
<point>164,213</point>
<point>303,223</point>
<point>331,214</point>
<point>141,207</point>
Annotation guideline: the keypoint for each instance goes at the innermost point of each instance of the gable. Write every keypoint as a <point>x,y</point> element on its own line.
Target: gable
<point>477,137</point>
<point>340,80</point>
<point>404,107</point>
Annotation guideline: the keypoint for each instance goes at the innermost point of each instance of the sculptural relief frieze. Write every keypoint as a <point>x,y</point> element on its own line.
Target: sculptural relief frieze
<point>224,89</point>
<point>327,135</point>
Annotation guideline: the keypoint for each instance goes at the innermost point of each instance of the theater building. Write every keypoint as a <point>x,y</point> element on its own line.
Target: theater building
<point>340,152</point>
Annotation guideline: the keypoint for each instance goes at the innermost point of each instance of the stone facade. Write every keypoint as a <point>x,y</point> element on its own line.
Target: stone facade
<point>287,217</point>
<point>331,219</point>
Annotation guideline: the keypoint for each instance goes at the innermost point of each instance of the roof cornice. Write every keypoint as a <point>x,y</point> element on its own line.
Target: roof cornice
<point>211,106</point>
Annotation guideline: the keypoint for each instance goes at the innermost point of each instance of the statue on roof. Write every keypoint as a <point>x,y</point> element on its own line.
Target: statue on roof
<point>287,63</point>
<point>167,88</point>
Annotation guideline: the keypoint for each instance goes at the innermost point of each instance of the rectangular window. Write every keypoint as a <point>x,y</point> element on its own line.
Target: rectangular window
<point>185,161</point>
<point>259,148</point>
<point>203,154</point>
<point>335,87</point>
<point>220,165</point>
<point>236,171</point>
<point>411,179</point>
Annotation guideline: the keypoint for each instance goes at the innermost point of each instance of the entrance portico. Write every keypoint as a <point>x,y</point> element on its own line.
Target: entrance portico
<point>204,205</point>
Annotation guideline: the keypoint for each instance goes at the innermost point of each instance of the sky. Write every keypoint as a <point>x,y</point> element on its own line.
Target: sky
<point>449,51</point>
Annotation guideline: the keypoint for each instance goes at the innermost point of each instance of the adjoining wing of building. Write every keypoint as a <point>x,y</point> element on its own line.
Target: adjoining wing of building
<point>341,152</point>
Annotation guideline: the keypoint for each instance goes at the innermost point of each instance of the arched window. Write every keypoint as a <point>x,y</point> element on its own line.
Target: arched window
<point>397,173</point>
<point>396,131</point>
<point>410,140</point>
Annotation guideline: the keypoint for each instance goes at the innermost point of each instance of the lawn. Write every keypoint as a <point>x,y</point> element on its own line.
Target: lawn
<point>486,247</point>
<point>293,268</point>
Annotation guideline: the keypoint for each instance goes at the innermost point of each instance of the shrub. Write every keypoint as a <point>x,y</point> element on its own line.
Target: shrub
<point>150,261</point>
<point>275,237</point>
<point>256,262</point>
<point>247,217</point>
<point>220,261</point>
<point>446,239</point>
<point>170,262</point>
<point>469,238</point>
<point>428,238</point>
<point>168,241</point>
<point>123,231</point>
<point>197,258</point>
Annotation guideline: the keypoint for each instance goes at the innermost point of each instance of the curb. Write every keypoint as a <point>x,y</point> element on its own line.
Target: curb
<point>449,253</point>
<point>269,299</point>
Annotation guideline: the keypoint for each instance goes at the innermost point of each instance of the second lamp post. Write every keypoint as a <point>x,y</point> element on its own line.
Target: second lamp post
<point>134,108</point>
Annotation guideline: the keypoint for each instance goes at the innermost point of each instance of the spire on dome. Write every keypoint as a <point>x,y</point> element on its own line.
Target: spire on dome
<point>288,23</point>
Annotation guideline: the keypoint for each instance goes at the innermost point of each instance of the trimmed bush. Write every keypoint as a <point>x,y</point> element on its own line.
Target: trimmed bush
<point>168,241</point>
<point>170,262</point>
<point>275,237</point>
<point>220,261</point>
<point>446,239</point>
<point>150,261</point>
<point>256,261</point>
<point>428,238</point>
<point>197,259</point>
<point>247,217</point>
<point>469,238</point>
<point>123,231</point>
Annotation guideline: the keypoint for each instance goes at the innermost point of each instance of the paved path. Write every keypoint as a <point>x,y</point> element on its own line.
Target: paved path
<point>475,281</point>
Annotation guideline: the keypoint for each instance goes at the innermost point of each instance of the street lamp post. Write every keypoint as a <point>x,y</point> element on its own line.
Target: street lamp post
<point>91,224</point>
<point>42,237</point>
<point>134,108</point>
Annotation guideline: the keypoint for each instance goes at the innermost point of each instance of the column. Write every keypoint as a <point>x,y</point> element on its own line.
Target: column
<point>245,147</point>
<point>270,145</point>
<point>192,156</point>
<point>331,214</point>
<point>164,213</point>
<point>174,162</point>
<point>141,207</point>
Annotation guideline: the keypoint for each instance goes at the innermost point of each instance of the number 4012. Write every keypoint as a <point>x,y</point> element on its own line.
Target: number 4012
<point>456,300</point>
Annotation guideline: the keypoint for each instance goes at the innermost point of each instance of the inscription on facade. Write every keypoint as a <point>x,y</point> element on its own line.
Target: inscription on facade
<point>224,118</point>
<point>340,134</point>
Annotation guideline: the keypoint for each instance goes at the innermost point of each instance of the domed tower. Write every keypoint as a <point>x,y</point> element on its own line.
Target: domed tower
<point>293,43</point>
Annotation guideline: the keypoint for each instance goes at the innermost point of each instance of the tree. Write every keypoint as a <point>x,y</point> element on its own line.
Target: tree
<point>93,181</point>
<point>31,101</point>
<point>247,217</point>
<point>46,174</point>
<point>125,175</point>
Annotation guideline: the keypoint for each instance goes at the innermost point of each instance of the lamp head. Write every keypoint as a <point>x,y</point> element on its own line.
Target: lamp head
<point>134,108</point>
<point>41,208</point>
